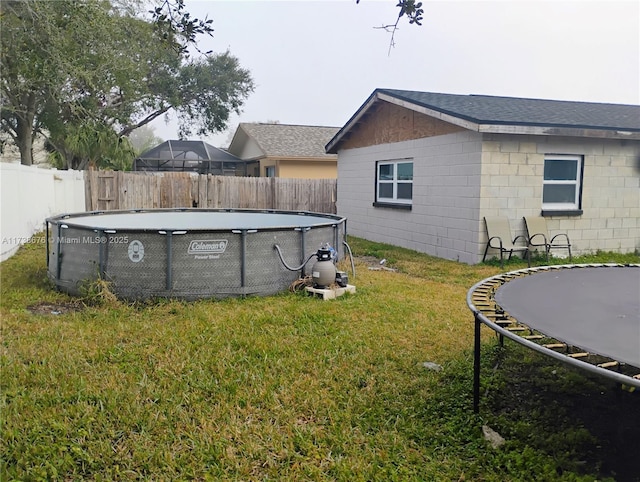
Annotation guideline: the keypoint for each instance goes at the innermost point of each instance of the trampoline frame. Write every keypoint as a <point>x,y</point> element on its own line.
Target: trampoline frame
<point>481,301</point>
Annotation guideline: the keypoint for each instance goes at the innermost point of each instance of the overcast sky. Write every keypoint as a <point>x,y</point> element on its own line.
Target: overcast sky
<point>316,62</point>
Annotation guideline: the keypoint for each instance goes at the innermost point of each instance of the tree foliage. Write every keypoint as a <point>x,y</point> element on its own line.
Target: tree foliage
<point>93,144</point>
<point>173,21</point>
<point>144,138</point>
<point>87,73</point>
<point>411,10</point>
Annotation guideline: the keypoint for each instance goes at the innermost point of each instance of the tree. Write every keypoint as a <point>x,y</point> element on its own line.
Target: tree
<point>173,22</point>
<point>90,143</point>
<point>209,90</point>
<point>101,72</point>
<point>29,74</point>
<point>144,138</point>
<point>171,17</point>
<point>109,55</point>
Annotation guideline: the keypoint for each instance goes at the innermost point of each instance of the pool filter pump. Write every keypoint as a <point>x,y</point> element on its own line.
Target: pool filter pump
<point>323,271</point>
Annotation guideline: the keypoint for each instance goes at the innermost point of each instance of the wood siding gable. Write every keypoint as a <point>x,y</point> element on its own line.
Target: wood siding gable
<point>386,123</point>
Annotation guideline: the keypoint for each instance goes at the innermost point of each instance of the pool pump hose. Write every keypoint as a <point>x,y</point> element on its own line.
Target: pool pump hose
<point>324,272</point>
<point>284,263</point>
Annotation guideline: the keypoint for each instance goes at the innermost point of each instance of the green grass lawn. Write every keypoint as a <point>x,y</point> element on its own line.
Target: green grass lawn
<point>291,387</point>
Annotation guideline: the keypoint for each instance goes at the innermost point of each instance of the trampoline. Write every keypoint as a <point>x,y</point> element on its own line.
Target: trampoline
<point>587,316</point>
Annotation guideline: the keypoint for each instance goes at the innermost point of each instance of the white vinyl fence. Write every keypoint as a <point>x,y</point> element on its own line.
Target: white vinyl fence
<point>29,195</point>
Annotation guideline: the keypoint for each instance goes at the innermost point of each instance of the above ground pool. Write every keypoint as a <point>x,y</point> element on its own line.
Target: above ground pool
<point>187,253</point>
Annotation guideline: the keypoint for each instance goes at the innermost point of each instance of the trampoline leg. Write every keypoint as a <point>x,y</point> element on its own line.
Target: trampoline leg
<point>476,366</point>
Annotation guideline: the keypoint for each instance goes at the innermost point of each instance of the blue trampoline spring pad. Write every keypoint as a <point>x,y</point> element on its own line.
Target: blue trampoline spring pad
<point>594,308</point>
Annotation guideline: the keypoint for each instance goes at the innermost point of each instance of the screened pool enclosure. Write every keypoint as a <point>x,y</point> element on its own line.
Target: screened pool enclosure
<point>190,156</point>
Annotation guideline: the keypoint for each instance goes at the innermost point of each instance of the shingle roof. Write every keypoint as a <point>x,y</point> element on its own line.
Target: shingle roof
<point>485,109</point>
<point>284,140</point>
<point>485,113</point>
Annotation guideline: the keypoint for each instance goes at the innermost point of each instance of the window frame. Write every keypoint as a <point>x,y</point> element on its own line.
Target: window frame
<point>564,208</point>
<point>270,171</point>
<point>394,200</point>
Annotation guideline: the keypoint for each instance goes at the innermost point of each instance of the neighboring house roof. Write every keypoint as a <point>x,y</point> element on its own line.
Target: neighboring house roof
<point>292,141</point>
<point>484,113</point>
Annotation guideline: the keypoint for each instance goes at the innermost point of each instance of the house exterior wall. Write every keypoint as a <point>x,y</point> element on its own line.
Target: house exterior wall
<point>307,169</point>
<point>512,174</point>
<point>245,147</point>
<point>444,217</point>
<point>460,178</point>
<point>300,169</point>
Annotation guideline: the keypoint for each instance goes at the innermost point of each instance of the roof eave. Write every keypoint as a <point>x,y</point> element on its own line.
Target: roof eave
<point>443,116</point>
<point>477,126</point>
<point>563,131</point>
<point>332,146</point>
<point>325,158</point>
<point>525,129</point>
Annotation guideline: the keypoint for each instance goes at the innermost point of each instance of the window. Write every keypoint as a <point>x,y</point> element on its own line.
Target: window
<point>270,171</point>
<point>561,187</point>
<point>394,182</point>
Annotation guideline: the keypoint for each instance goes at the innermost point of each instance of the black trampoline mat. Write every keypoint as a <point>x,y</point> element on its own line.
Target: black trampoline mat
<point>596,309</point>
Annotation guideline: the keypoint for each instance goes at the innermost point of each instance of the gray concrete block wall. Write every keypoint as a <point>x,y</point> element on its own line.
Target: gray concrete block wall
<point>446,189</point>
<point>511,186</point>
<point>460,178</point>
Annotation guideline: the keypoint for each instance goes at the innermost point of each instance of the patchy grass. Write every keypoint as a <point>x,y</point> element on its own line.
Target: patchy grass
<point>290,387</point>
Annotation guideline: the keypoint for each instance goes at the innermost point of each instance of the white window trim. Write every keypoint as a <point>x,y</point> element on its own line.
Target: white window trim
<point>394,181</point>
<point>575,205</point>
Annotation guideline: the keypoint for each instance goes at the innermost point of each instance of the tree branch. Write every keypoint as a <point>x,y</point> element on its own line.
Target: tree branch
<point>154,115</point>
<point>409,8</point>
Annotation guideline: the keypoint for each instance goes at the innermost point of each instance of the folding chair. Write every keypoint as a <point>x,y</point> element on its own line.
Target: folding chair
<point>499,234</point>
<point>538,236</point>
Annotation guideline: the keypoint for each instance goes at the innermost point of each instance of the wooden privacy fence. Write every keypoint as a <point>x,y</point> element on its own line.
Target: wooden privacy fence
<point>109,190</point>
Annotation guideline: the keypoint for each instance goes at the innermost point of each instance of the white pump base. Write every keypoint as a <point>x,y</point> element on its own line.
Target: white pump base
<point>330,293</point>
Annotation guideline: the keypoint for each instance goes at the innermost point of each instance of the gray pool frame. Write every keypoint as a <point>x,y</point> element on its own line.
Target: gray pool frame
<point>187,262</point>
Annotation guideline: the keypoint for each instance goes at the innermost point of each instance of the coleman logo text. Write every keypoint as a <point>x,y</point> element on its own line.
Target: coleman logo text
<point>207,246</point>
